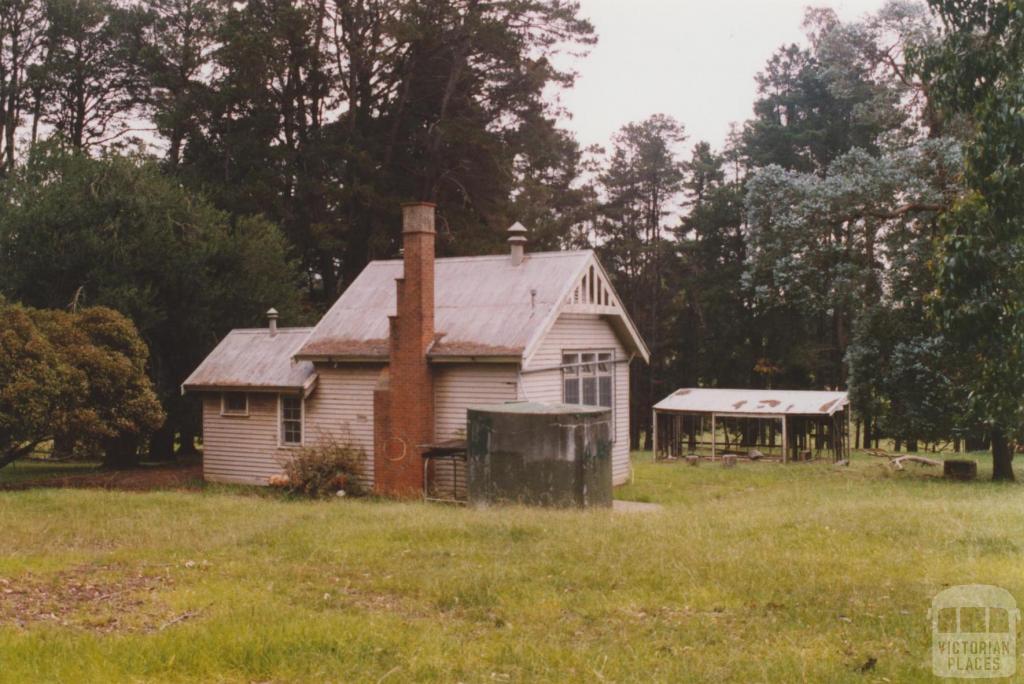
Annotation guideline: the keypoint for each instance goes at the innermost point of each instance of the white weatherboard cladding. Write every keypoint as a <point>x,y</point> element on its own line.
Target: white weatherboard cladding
<point>341,409</point>
<point>241,449</point>
<point>582,332</point>
<point>456,388</point>
<point>459,386</point>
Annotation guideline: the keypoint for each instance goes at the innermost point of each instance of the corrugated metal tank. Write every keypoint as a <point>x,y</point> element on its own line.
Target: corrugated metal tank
<point>539,454</point>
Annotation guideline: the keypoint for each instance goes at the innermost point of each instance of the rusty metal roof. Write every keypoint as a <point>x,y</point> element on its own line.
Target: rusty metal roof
<point>253,359</point>
<point>767,402</point>
<point>483,305</point>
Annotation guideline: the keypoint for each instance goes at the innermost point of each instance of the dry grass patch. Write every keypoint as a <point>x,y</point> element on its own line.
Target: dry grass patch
<point>101,599</point>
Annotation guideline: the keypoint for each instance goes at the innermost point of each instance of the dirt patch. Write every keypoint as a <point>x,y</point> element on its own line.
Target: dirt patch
<point>146,478</point>
<point>96,598</point>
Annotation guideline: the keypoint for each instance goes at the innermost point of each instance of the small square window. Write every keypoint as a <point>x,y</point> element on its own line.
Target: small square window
<point>235,404</point>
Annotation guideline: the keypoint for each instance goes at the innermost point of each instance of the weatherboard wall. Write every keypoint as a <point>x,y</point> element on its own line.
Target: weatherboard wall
<point>574,333</point>
<point>341,409</point>
<point>246,450</point>
<point>242,449</point>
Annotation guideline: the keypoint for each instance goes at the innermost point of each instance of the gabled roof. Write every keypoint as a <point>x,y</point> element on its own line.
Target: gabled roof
<point>255,359</point>
<point>484,306</point>
<point>746,401</point>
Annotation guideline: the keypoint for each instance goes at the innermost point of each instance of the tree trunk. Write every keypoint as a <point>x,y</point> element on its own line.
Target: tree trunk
<point>121,452</point>
<point>634,432</point>
<point>161,443</point>
<point>63,447</point>
<point>188,440</point>
<point>976,442</point>
<point>911,446</point>
<point>897,444</point>
<point>1002,457</point>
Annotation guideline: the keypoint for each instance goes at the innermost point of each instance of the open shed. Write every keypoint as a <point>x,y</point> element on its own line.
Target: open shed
<point>784,424</point>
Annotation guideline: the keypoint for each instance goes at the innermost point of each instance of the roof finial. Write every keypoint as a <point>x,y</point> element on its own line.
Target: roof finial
<point>272,320</point>
<point>517,239</point>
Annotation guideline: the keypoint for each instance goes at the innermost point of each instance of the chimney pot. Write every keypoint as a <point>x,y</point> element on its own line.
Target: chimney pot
<point>272,321</point>
<point>418,217</point>
<point>517,241</point>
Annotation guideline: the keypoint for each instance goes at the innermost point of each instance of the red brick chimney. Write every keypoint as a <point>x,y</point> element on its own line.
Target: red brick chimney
<point>404,398</point>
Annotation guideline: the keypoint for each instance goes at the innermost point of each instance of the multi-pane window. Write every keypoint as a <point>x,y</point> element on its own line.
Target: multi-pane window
<point>587,378</point>
<point>235,404</point>
<point>291,420</point>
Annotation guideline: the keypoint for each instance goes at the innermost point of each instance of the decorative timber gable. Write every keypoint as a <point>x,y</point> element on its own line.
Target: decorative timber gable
<point>592,294</point>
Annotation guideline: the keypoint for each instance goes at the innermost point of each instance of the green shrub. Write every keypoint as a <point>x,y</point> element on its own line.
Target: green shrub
<point>322,470</point>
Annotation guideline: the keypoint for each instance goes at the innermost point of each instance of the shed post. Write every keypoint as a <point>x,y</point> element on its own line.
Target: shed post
<point>654,435</point>
<point>785,440</point>
<point>714,437</point>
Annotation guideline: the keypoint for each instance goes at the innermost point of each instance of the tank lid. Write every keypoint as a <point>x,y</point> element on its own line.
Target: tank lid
<point>538,408</point>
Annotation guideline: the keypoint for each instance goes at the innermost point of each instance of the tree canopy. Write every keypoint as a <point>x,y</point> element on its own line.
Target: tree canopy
<point>74,377</point>
<point>115,231</point>
<point>978,71</point>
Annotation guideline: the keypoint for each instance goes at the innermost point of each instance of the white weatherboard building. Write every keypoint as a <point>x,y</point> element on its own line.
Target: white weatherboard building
<point>544,327</point>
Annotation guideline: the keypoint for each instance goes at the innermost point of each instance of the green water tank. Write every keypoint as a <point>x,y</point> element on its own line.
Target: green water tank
<point>539,454</point>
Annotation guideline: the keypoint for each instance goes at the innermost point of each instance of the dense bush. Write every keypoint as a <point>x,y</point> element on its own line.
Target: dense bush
<point>77,379</point>
<point>323,470</point>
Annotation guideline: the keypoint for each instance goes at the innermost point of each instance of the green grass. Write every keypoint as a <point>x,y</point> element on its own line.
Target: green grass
<point>25,470</point>
<point>762,573</point>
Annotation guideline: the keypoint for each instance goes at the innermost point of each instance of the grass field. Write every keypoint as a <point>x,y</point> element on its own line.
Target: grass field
<point>762,573</point>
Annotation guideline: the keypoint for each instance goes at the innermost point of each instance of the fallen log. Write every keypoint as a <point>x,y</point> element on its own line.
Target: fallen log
<point>898,461</point>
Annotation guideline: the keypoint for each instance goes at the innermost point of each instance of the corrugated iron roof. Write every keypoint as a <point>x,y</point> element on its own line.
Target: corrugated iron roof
<point>252,358</point>
<point>770,402</point>
<point>484,305</point>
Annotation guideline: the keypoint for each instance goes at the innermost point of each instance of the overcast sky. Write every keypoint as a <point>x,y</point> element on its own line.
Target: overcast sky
<point>693,59</point>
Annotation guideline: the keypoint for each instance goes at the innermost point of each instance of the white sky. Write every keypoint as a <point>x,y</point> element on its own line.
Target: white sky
<point>693,59</point>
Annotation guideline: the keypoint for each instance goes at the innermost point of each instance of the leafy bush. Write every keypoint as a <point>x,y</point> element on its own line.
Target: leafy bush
<point>75,378</point>
<point>322,470</point>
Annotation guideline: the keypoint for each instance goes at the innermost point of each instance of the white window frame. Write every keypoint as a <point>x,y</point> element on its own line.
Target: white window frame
<point>579,379</point>
<point>233,414</point>
<point>280,421</point>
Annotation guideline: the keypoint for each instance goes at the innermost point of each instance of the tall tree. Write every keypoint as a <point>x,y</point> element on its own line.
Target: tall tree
<point>175,55</point>
<point>978,71</point>
<point>818,102</point>
<point>641,183</point>
<point>328,114</point>
<point>22,32</point>
<point>713,322</point>
<point>90,82</point>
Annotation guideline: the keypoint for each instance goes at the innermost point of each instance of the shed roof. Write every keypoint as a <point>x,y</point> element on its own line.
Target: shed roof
<point>484,306</point>
<point>767,402</point>
<point>255,359</point>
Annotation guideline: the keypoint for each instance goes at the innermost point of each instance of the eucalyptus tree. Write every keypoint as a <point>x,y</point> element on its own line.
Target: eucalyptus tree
<point>977,71</point>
